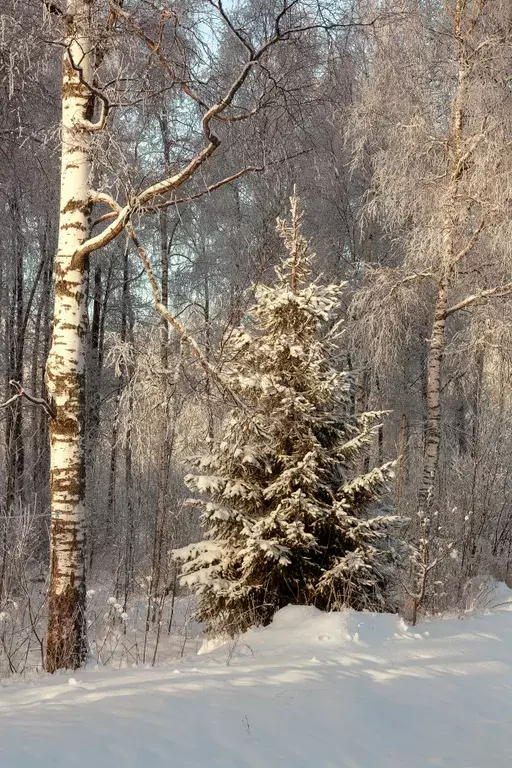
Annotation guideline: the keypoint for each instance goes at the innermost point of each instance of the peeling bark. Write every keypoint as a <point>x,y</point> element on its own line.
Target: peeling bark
<point>65,369</point>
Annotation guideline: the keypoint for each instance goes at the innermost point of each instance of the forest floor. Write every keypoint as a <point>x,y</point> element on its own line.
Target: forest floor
<point>313,690</point>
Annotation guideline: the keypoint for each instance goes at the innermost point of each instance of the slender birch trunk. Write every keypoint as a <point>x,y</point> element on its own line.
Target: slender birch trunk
<point>165,444</point>
<point>401,464</point>
<point>127,334</point>
<point>450,257</point>
<point>433,433</point>
<point>65,369</point>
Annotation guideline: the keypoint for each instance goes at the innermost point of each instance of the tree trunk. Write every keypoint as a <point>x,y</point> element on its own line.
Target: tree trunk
<point>452,216</point>
<point>93,382</point>
<point>433,437</point>
<point>65,369</point>
<point>127,334</point>
<point>43,467</point>
<point>208,347</point>
<point>165,447</point>
<point>401,464</point>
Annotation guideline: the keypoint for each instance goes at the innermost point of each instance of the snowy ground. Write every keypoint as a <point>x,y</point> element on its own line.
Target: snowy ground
<point>311,691</point>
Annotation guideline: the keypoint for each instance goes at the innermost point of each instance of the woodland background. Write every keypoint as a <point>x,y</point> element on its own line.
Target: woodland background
<point>394,121</point>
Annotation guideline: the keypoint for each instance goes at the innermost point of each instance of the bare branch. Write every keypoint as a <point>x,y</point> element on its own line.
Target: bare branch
<point>408,279</point>
<point>139,202</point>
<point>500,291</point>
<point>472,241</point>
<point>20,392</point>
<point>105,104</point>
<point>162,310</point>
<point>208,190</point>
<point>11,400</point>
<point>238,34</point>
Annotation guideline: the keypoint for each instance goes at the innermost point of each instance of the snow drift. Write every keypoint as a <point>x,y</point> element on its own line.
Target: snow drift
<point>339,690</point>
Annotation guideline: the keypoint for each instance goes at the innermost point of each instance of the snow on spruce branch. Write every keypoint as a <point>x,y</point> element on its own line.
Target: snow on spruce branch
<point>287,518</point>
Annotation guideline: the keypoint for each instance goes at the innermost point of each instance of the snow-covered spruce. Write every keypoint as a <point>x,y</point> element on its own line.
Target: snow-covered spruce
<point>287,518</point>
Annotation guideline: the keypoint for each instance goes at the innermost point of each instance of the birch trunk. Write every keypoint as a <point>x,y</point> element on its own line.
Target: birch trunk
<point>65,369</point>
<point>450,230</point>
<point>433,435</point>
<point>401,465</point>
<point>165,443</point>
<point>127,322</point>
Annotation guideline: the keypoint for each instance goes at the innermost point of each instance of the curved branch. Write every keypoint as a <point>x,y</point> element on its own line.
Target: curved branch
<point>140,201</point>
<point>500,292</point>
<point>20,392</point>
<point>208,190</point>
<point>162,310</point>
<point>87,125</point>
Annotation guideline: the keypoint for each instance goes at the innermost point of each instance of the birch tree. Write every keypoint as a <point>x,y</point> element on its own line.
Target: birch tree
<point>439,176</point>
<point>65,369</point>
<point>435,134</point>
<point>89,28</point>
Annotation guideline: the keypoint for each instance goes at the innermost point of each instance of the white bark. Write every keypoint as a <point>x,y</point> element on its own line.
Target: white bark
<point>65,369</point>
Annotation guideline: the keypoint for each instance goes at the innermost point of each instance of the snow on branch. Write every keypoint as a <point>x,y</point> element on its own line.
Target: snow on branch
<point>20,392</point>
